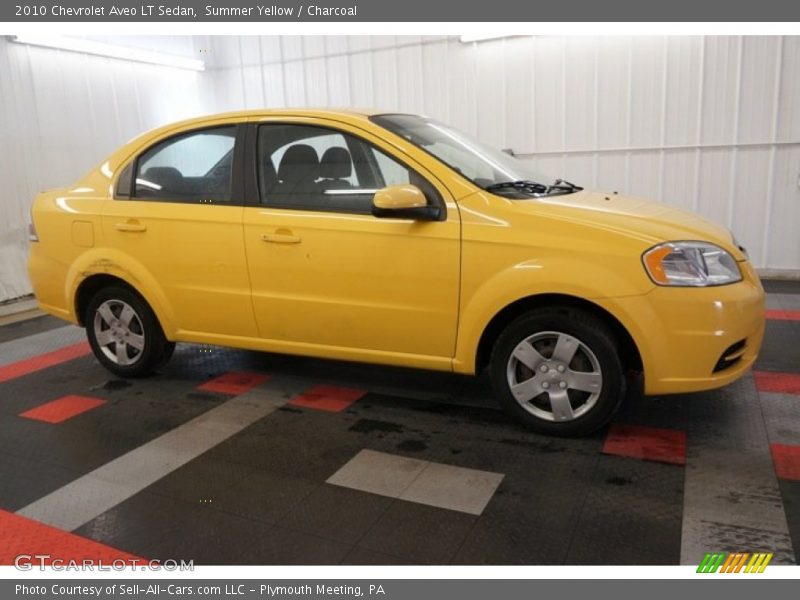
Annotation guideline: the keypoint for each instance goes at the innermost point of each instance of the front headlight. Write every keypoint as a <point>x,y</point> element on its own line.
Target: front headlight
<point>692,264</point>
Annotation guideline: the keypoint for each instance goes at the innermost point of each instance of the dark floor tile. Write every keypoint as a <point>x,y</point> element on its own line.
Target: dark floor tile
<point>336,513</point>
<point>670,412</point>
<point>781,348</point>
<point>419,533</point>
<point>21,329</point>
<point>158,527</point>
<point>530,519</point>
<point>610,552</point>
<point>146,411</point>
<point>264,496</point>
<point>631,503</point>
<point>202,481</point>
<point>23,481</point>
<point>61,445</point>
<point>288,442</point>
<point>781,286</point>
<point>197,363</point>
<point>362,556</point>
<point>438,412</point>
<point>729,417</point>
<point>790,493</point>
<point>494,541</point>
<point>279,546</point>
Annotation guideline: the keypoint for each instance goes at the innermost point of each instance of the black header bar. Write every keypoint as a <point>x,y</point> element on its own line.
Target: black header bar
<point>266,11</point>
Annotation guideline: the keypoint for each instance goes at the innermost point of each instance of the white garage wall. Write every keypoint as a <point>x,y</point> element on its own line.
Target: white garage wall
<point>61,113</point>
<point>707,123</point>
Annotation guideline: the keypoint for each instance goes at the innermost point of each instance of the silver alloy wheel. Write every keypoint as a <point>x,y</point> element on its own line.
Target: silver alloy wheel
<point>118,332</point>
<point>554,376</point>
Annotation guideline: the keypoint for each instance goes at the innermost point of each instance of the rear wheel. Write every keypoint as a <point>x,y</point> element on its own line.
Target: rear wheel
<point>124,333</point>
<point>558,372</point>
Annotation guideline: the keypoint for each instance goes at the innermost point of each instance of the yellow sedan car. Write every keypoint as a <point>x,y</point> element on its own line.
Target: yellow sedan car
<point>393,239</point>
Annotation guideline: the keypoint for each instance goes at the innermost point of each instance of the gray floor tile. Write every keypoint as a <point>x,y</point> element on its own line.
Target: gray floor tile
<point>454,488</point>
<point>378,473</point>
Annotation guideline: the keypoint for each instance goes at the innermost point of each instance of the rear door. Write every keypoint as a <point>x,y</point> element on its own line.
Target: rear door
<point>178,212</point>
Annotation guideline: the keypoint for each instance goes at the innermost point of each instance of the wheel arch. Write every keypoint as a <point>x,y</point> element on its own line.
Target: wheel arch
<point>92,284</point>
<point>629,352</point>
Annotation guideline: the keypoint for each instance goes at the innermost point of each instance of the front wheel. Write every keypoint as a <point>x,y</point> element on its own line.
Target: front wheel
<point>124,333</point>
<point>558,371</point>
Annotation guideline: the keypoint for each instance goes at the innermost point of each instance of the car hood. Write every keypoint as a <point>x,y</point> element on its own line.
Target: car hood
<point>650,221</point>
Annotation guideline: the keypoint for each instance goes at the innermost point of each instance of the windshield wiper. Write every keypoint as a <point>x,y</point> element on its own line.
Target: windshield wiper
<point>531,187</point>
<point>564,185</point>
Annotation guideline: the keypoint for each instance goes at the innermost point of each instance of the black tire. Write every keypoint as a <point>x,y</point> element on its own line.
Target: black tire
<point>166,355</point>
<point>596,352</point>
<point>143,327</point>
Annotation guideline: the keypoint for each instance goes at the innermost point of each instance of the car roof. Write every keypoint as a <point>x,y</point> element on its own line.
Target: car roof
<point>340,114</point>
<point>258,112</point>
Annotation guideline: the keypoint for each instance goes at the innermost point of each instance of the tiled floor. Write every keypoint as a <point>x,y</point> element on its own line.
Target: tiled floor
<point>232,457</point>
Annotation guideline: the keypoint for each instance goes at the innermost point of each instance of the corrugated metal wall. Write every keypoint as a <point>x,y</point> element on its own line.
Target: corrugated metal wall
<point>61,113</point>
<point>708,123</point>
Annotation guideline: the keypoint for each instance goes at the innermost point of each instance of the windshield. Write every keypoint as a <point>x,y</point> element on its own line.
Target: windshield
<point>487,167</point>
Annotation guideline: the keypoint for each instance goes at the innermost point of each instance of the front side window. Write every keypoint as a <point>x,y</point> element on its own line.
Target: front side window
<point>196,166</point>
<point>315,168</point>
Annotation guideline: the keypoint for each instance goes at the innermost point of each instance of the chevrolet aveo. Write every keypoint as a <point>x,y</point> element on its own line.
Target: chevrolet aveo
<point>393,239</point>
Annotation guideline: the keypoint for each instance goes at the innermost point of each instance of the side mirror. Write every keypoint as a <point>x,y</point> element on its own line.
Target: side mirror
<point>403,202</point>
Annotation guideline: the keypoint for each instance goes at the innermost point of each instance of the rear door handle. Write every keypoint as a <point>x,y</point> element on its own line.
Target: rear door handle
<point>131,226</point>
<point>280,238</point>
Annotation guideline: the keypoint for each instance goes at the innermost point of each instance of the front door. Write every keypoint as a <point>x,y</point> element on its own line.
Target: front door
<point>325,273</point>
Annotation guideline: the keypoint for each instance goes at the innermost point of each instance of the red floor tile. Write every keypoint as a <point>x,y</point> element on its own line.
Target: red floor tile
<point>19,535</point>
<point>328,397</point>
<point>780,383</point>
<point>646,443</point>
<point>784,315</point>
<point>234,383</point>
<point>62,409</point>
<point>786,460</point>
<point>43,361</point>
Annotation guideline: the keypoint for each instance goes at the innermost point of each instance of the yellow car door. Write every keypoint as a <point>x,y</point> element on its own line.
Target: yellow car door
<point>329,278</point>
<point>177,215</point>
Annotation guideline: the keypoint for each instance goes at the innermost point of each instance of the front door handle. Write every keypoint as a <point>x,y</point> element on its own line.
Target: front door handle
<point>131,226</point>
<point>280,237</point>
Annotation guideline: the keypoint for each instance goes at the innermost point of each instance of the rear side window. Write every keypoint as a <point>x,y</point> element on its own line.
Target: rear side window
<point>193,167</point>
<point>124,182</point>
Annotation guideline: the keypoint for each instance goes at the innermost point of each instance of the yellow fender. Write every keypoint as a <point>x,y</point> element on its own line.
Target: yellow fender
<point>108,261</point>
<point>537,277</point>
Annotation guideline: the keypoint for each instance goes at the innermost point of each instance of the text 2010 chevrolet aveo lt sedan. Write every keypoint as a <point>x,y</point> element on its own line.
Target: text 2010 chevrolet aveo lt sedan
<point>393,239</point>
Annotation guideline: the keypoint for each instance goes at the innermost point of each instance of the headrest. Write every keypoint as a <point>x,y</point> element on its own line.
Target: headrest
<point>336,164</point>
<point>163,176</point>
<point>299,163</point>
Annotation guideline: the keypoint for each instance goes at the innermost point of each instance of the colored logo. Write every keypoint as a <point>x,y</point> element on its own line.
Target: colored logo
<point>735,562</point>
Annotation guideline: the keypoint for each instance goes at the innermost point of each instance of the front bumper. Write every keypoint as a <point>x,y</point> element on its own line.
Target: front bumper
<point>684,335</point>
